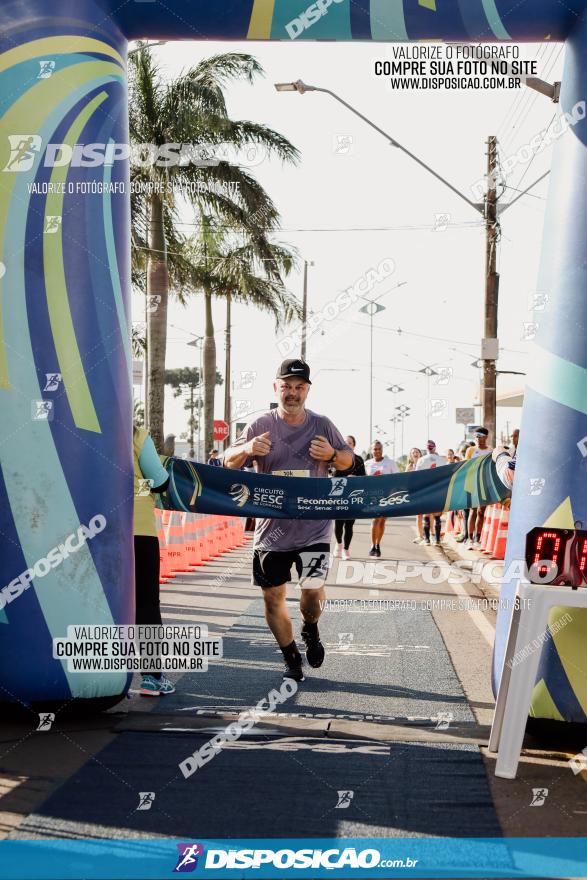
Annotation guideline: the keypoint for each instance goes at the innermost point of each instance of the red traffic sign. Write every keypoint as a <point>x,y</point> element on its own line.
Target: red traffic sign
<point>221,430</point>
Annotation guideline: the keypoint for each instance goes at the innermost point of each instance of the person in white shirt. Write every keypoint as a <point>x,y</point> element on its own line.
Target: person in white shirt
<point>477,514</point>
<point>505,464</point>
<point>431,460</point>
<point>515,438</point>
<point>376,466</point>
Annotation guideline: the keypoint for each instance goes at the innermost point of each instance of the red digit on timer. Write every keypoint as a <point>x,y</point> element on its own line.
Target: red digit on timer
<point>539,553</point>
<point>583,558</point>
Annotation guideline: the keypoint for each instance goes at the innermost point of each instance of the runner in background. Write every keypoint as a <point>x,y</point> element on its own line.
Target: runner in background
<point>292,441</point>
<point>515,439</point>
<point>213,459</point>
<point>343,528</point>
<point>414,457</point>
<point>505,464</point>
<point>431,460</point>
<point>376,466</point>
<point>477,514</point>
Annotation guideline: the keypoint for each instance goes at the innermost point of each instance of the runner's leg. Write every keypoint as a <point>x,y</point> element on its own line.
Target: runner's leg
<point>277,615</point>
<point>480,519</point>
<point>311,604</point>
<point>348,532</point>
<point>427,529</point>
<point>472,523</point>
<point>437,527</point>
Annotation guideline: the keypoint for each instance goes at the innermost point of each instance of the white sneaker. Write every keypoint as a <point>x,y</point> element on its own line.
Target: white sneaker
<point>346,555</point>
<point>476,545</point>
<point>337,549</point>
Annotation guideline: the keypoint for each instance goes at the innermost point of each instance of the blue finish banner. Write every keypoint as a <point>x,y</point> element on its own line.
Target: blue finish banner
<point>204,489</point>
<point>305,858</point>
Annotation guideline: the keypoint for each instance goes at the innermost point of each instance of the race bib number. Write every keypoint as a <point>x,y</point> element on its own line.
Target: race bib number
<point>302,473</point>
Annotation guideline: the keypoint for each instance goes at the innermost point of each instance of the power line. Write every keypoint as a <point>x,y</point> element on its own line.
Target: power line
<point>523,117</point>
<point>464,224</point>
<point>518,99</point>
<point>526,102</point>
<point>529,165</point>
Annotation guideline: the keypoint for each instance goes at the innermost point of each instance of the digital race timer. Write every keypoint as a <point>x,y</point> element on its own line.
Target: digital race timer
<point>557,557</point>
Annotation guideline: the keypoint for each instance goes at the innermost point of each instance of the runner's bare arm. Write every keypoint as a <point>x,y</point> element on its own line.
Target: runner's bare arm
<point>236,456</point>
<point>322,450</point>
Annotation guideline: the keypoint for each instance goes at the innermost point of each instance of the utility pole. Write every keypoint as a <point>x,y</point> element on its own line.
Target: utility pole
<point>192,407</point>
<point>227,369</point>
<point>491,293</point>
<point>304,311</point>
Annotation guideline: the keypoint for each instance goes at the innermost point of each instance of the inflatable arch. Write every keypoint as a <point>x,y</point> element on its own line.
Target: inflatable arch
<point>64,308</point>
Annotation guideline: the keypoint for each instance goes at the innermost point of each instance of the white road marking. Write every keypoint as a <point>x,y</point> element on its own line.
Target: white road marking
<point>478,617</point>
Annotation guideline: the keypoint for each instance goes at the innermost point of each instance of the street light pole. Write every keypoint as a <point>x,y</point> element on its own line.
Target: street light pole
<point>198,343</point>
<point>491,293</point>
<point>305,309</point>
<point>403,410</point>
<point>302,87</point>
<point>372,308</point>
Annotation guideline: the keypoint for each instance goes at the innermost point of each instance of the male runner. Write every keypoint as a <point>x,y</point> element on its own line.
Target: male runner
<point>374,467</point>
<point>431,460</point>
<point>477,514</point>
<point>292,441</point>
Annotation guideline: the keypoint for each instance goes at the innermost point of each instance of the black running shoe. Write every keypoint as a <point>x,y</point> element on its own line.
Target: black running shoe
<point>294,672</point>
<point>314,647</point>
<point>378,551</point>
<point>373,551</point>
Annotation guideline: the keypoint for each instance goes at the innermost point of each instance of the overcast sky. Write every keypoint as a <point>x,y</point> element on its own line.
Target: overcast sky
<point>355,201</point>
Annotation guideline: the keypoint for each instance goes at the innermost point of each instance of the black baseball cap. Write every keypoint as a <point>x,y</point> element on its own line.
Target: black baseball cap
<point>294,368</point>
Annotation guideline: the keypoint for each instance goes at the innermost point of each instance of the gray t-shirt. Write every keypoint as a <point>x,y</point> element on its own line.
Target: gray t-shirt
<point>290,457</point>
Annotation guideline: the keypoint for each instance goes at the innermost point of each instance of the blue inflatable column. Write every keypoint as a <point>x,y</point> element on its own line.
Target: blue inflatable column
<point>65,388</point>
<point>551,477</point>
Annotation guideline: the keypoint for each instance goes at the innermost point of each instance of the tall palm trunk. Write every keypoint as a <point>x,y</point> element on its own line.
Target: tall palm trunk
<point>227,370</point>
<point>209,356</point>
<point>157,293</point>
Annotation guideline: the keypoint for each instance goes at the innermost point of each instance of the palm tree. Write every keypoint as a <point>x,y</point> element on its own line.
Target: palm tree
<point>232,269</point>
<point>190,111</point>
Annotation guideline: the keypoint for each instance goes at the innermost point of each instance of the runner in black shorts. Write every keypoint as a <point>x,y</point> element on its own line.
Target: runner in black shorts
<point>292,441</point>
<point>272,568</point>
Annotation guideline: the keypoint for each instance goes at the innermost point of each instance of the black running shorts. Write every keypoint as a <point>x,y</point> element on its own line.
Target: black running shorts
<point>271,568</point>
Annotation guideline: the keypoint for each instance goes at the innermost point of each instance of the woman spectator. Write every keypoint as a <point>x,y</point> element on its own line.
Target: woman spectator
<point>343,528</point>
<point>150,477</point>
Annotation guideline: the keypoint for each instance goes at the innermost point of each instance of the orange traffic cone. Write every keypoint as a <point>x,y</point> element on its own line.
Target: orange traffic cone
<point>203,543</point>
<point>164,573</point>
<point>502,534</point>
<point>174,536</point>
<point>489,514</point>
<point>192,547</point>
<point>493,529</point>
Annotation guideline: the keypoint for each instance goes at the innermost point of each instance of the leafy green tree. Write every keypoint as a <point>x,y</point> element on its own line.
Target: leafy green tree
<point>185,382</point>
<point>190,110</point>
<point>230,268</point>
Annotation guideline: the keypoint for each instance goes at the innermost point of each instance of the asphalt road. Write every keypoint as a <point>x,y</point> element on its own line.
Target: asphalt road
<point>398,716</point>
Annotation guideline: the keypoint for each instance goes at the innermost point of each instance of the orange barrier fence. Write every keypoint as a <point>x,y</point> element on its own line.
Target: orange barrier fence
<point>188,540</point>
<point>495,530</point>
